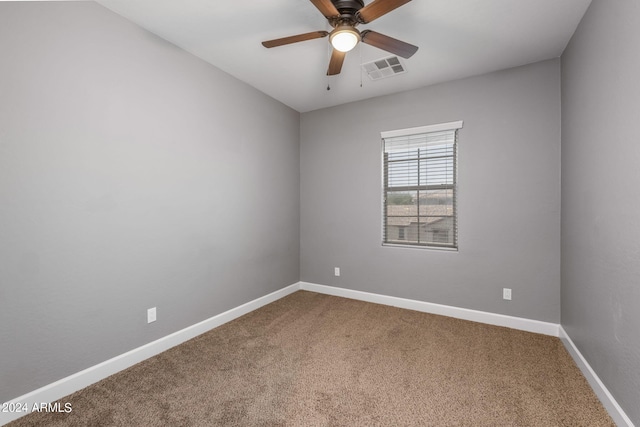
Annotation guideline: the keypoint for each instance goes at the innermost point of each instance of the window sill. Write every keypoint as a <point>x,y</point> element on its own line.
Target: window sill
<point>433,248</point>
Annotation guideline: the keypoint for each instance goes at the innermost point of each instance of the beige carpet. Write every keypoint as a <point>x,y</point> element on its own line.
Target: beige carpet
<point>317,360</point>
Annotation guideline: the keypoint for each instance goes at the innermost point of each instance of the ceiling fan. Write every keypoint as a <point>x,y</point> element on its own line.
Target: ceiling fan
<point>344,16</point>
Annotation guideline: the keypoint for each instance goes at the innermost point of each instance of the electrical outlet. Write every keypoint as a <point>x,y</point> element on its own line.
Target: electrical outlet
<point>506,294</point>
<point>336,271</point>
<point>151,315</point>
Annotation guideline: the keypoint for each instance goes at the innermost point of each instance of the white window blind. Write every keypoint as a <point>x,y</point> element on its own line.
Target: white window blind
<point>420,186</point>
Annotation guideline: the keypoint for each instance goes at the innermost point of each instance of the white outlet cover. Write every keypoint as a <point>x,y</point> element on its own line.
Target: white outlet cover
<point>336,271</point>
<point>151,315</point>
<point>506,294</point>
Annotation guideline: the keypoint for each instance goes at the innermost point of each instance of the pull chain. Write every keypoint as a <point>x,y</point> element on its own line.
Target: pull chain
<point>330,51</point>
<point>360,52</point>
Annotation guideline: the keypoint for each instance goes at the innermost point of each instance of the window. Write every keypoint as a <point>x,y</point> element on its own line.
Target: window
<point>420,186</point>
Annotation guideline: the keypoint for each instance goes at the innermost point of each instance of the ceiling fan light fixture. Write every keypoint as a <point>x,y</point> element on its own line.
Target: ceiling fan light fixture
<point>344,38</point>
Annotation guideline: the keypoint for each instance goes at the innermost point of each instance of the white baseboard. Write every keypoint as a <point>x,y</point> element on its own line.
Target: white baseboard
<point>520,323</point>
<point>82,379</point>
<point>85,378</point>
<point>608,401</point>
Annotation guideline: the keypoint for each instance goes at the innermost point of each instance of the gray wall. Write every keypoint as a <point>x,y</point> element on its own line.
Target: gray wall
<point>601,196</point>
<point>132,175</point>
<point>509,195</point>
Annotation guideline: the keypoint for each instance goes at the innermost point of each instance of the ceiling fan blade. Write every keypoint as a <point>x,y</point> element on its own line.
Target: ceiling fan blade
<point>389,44</point>
<point>295,39</point>
<point>378,8</point>
<point>335,64</point>
<point>326,8</point>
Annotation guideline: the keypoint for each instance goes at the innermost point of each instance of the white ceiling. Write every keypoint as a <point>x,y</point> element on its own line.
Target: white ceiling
<point>457,38</point>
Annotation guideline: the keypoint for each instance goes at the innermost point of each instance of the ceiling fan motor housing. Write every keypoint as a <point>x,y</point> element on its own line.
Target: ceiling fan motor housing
<point>348,5</point>
<point>348,10</point>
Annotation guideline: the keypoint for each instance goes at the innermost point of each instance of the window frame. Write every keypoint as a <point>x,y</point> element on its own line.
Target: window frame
<point>441,127</point>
